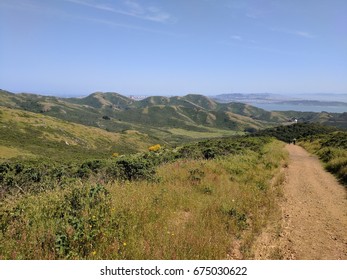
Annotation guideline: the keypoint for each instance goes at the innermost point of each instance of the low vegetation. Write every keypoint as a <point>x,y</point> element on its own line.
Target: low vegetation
<point>28,135</point>
<point>35,175</point>
<point>332,150</point>
<point>207,200</point>
<point>295,131</point>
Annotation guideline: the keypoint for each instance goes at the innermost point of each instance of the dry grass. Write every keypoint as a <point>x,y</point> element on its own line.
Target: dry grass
<point>195,209</point>
<point>200,135</point>
<point>9,152</point>
<point>332,150</point>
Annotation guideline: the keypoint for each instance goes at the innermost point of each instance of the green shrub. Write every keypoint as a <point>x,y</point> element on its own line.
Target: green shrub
<point>342,173</point>
<point>331,149</point>
<point>298,131</point>
<point>131,169</point>
<point>336,164</point>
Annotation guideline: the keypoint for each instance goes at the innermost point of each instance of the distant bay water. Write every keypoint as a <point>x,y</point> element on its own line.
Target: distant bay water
<point>300,108</point>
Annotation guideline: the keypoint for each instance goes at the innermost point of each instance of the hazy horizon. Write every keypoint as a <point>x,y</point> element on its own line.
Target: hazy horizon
<point>341,97</point>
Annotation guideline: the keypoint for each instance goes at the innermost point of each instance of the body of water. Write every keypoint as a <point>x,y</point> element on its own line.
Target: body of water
<point>300,108</point>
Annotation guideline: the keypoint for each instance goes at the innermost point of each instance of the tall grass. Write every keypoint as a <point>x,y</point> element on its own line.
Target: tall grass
<point>194,209</point>
<point>332,150</point>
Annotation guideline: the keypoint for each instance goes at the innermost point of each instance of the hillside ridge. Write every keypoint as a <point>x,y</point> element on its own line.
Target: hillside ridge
<point>156,115</point>
<point>162,116</point>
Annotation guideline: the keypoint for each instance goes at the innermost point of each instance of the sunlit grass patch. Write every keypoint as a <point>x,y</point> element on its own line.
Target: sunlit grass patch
<point>9,152</point>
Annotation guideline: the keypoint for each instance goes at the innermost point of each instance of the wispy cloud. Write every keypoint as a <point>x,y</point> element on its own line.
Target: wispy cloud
<point>256,14</point>
<point>129,8</point>
<point>34,7</point>
<point>236,37</point>
<point>243,39</point>
<point>299,33</point>
<point>250,44</point>
<point>128,26</point>
<point>303,34</point>
<point>253,9</point>
<point>93,5</point>
<point>271,50</point>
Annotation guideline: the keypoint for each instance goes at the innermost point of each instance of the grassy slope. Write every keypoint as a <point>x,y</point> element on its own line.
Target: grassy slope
<point>193,209</point>
<point>332,150</point>
<point>35,135</point>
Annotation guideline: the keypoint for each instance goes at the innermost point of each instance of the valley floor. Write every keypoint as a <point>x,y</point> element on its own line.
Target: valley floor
<point>314,216</point>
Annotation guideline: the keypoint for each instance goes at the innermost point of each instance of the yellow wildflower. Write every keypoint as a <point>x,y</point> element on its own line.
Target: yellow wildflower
<point>154,148</point>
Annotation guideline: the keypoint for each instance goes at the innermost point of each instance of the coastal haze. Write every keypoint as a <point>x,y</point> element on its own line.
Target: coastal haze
<point>321,102</point>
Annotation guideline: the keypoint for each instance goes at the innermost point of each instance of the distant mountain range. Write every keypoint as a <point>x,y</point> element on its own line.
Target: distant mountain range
<point>241,97</point>
<point>313,103</point>
<point>308,100</point>
<point>167,119</point>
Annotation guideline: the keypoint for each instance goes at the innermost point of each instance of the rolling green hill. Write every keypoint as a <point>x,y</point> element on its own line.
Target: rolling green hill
<point>171,120</point>
<point>32,135</point>
<point>158,116</point>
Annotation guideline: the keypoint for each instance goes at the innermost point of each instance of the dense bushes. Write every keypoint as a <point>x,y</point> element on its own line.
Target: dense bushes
<point>209,149</point>
<point>34,176</point>
<point>131,169</point>
<point>299,130</point>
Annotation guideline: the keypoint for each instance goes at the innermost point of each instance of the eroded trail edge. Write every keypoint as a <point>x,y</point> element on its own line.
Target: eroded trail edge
<point>314,213</point>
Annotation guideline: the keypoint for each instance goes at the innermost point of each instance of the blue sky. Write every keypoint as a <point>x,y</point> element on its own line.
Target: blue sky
<point>173,47</point>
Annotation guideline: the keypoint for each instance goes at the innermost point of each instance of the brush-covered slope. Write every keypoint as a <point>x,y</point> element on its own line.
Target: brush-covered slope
<point>298,131</point>
<point>26,134</point>
<point>332,119</point>
<point>116,112</point>
<point>188,208</point>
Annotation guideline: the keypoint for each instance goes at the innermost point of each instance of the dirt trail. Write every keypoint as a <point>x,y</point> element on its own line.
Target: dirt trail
<point>314,213</point>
